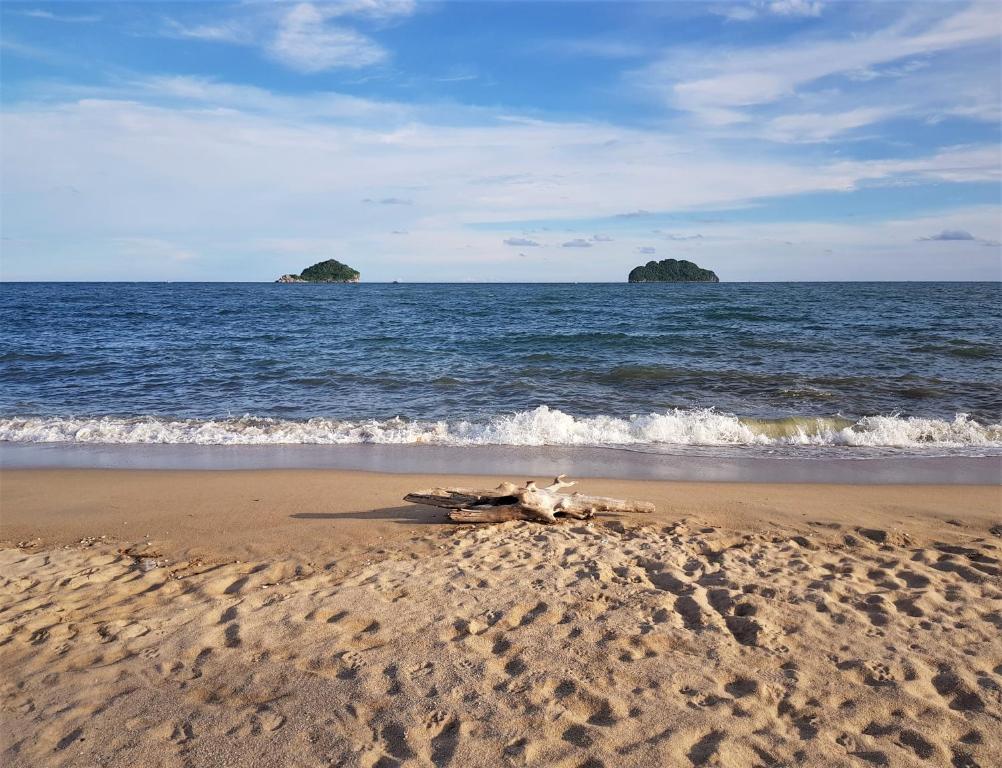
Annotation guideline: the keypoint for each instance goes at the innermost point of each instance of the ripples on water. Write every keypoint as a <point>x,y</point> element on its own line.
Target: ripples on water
<point>466,362</point>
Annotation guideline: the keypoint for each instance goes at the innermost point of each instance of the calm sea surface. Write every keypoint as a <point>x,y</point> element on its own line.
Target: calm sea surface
<point>900,366</point>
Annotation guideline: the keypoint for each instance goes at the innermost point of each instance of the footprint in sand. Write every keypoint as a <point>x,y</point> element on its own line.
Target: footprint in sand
<point>391,673</point>
<point>231,636</point>
<point>395,740</point>
<point>741,687</point>
<point>705,749</point>
<point>949,685</point>
<point>445,742</point>
<point>916,743</point>
<point>420,670</point>
<point>690,612</point>
<point>351,664</point>
<point>434,720</point>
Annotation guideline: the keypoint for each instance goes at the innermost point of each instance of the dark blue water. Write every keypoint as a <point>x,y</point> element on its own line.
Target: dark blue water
<point>795,363</point>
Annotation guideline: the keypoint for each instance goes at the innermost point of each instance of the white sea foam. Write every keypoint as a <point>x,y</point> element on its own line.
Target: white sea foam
<point>541,426</point>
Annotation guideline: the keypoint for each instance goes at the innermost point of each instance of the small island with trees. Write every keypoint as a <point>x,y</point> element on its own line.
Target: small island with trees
<point>330,271</point>
<point>672,271</point>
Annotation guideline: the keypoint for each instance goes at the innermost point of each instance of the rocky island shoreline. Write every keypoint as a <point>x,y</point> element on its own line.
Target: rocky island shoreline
<point>329,271</point>
<point>672,271</point>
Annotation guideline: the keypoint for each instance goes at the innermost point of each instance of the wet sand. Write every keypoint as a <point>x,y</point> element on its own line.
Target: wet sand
<point>311,618</point>
<point>744,464</point>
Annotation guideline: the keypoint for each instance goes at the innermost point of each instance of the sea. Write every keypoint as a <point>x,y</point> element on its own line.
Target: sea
<point>718,371</point>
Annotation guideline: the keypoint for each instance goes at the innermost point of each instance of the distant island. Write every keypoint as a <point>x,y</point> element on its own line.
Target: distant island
<point>330,271</point>
<point>672,271</point>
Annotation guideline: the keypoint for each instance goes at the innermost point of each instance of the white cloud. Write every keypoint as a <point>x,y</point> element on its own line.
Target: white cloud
<point>902,70</point>
<point>376,9</point>
<point>676,237</point>
<point>521,242</point>
<point>736,12</point>
<point>796,7</point>
<point>647,250</point>
<point>815,126</point>
<point>306,37</point>
<point>594,47</point>
<point>951,234</point>
<point>576,243</point>
<point>720,88</point>
<point>389,201</point>
<point>458,77</point>
<point>308,43</point>
<point>637,214</point>
<point>955,164</point>
<point>36,13</point>
<point>221,32</point>
<point>213,94</point>
<point>764,8</point>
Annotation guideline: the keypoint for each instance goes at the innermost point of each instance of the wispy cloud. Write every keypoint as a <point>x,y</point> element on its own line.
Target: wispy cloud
<point>637,214</point>
<point>374,9</point>
<point>233,31</point>
<point>37,13</point>
<point>594,47</point>
<point>458,77</point>
<point>795,7</point>
<point>954,235</point>
<point>601,238</point>
<point>680,238</point>
<point>823,126</point>
<point>893,71</point>
<point>647,250</point>
<point>34,52</point>
<point>389,201</point>
<point>305,37</point>
<point>722,88</point>
<point>576,243</point>
<point>951,234</point>
<point>215,94</point>
<point>307,42</point>
<point>521,242</point>
<point>764,8</point>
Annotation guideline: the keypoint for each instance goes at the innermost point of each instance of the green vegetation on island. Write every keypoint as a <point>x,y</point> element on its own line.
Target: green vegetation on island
<point>672,271</point>
<point>330,271</point>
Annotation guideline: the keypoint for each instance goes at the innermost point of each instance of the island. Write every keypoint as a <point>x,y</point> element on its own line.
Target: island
<point>330,271</point>
<point>672,271</point>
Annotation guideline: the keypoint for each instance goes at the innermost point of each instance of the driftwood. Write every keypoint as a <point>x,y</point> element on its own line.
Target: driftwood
<point>530,502</point>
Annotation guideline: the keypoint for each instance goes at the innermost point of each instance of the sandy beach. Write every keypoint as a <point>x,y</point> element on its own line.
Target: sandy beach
<point>312,618</point>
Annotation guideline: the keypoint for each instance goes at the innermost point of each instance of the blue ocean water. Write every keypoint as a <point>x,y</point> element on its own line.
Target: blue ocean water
<point>902,366</point>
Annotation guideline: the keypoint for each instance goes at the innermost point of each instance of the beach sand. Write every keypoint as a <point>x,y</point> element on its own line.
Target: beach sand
<point>310,618</point>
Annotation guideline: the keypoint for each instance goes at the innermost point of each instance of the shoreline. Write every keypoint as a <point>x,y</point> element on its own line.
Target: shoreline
<point>579,462</point>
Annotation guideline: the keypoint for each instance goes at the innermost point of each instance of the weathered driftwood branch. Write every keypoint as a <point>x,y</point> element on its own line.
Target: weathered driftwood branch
<point>530,502</point>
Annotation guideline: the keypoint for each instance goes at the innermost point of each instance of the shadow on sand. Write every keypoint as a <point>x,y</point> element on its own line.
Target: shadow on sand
<point>409,515</point>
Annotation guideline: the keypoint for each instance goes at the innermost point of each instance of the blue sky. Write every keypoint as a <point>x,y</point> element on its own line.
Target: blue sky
<point>768,140</point>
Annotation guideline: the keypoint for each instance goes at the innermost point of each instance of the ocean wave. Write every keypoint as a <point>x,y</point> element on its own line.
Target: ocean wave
<point>537,427</point>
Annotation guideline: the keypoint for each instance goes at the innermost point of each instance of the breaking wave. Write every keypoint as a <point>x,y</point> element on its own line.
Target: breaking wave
<point>537,427</point>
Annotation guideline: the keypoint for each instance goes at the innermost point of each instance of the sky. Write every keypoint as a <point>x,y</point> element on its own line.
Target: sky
<point>500,141</point>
